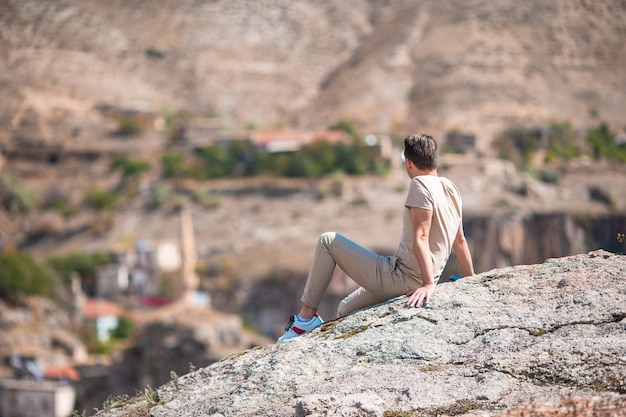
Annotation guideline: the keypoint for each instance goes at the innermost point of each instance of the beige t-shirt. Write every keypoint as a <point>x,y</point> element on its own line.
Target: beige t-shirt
<point>441,196</point>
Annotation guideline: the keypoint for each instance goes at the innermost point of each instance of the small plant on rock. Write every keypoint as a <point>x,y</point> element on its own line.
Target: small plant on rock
<point>393,413</point>
<point>152,396</point>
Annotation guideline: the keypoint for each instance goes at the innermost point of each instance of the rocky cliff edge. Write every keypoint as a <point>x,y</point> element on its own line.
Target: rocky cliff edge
<point>540,337</point>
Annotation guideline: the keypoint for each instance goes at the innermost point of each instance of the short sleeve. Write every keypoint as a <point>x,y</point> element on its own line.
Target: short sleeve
<point>418,195</point>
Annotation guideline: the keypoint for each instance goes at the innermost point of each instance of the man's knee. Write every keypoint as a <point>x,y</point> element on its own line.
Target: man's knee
<point>343,309</point>
<point>327,238</point>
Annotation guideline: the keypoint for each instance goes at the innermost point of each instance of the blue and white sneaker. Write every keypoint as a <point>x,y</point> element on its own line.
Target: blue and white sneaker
<point>297,326</point>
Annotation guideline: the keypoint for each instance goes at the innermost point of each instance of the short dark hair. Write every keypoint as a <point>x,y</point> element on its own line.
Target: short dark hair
<point>422,150</point>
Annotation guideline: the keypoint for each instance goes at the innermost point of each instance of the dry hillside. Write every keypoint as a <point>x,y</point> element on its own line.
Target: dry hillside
<point>393,65</point>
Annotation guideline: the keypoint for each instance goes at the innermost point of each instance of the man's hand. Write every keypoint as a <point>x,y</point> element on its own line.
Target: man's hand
<point>420,295</point>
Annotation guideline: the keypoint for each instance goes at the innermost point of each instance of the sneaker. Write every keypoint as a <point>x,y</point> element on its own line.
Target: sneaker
<point>296,327</point>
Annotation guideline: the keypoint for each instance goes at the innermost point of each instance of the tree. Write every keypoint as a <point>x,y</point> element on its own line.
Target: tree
<point>21,276</point>
<point>600,141</point>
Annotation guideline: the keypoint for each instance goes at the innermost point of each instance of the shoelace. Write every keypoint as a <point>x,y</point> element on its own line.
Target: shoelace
<point>292,319</point>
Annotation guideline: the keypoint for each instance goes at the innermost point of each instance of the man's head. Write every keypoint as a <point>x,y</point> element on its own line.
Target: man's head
<point>422,151</point>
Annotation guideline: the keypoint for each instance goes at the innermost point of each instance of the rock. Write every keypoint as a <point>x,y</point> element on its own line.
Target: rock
<point>613,406</point>
<point>525,336</point>
<point>179,337</point>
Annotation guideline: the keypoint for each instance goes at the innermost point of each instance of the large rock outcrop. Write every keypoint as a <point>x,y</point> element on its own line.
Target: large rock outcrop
<point>501,340</point>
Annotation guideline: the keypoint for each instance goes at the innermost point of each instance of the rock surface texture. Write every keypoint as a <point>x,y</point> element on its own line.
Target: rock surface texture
<point>525,340</point>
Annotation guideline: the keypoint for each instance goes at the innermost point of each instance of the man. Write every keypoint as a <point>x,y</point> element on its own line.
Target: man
<point>431,228</point>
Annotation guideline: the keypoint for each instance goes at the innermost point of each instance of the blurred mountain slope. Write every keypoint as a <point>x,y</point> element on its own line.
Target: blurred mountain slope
<point>392,65</point>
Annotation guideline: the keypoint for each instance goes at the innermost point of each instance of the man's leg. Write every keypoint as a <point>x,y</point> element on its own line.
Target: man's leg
<point>320,274</point>
<point>334,249</point>
<point>358,299</point>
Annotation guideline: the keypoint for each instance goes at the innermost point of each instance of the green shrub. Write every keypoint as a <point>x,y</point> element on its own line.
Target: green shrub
<point>234,160</point>
<point>100,199</point>
<point>324,155</point>
<point>174,165</point>
<point>170,116</point>
<point>239,159</point>
<point>207,198</point>
<point>320,159</point>
<point>562,142</point>
<point>61,207</point>
<point>518,145</point>
<point>360,201</point>
<point>159,195</point>
<point>21,276</point>
<point>14,197</point>
<point>130,124</point>
<point>600,141</point>
<point>302,166</point>
<point>129,167</point>
<point>214,162</point>
<point>346,126</point>
<point>124,328</point>
<point>84,264</point>
<point>174,123</point>
<point>273,164</point>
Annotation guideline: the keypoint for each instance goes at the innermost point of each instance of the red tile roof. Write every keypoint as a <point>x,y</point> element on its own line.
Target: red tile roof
<point>95,308</point>
<point>58,372</point>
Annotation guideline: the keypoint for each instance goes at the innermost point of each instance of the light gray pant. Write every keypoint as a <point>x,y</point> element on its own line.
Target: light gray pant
<point>378,276</point>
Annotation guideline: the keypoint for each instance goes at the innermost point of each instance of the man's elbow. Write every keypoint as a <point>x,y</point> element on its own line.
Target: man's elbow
<point>459,242</point>
<point>423,238</point>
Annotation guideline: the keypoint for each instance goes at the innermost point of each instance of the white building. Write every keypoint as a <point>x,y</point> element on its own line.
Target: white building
<point>23,398</point>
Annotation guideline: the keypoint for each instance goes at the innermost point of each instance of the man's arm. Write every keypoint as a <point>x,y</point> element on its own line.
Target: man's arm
<point>462,252</point>
<point>421,220</point>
